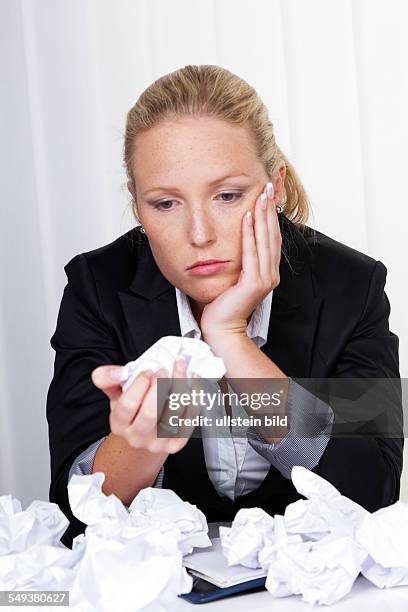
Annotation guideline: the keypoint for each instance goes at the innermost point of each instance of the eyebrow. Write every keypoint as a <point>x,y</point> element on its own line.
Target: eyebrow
<point>212,183</point>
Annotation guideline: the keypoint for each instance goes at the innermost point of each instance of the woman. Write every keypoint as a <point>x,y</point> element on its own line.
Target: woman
<point>208,181</point>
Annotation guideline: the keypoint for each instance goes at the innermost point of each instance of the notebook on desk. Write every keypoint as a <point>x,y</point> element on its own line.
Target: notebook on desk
<point>211,564</point>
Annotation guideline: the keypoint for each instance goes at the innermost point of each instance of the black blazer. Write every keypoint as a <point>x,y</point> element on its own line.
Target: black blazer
<point>329,318</point>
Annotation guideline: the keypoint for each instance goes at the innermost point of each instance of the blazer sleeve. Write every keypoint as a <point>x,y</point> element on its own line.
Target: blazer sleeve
<point>307,414</point>
<point>367,466</point>
<point>77,411</point>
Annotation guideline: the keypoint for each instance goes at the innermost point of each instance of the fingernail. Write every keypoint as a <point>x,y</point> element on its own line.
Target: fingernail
<point>263,201</point>
<point>115,373</point>
<point>249,217</point>
<point>270,190</point>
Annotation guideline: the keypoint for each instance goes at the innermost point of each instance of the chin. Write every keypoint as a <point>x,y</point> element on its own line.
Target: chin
<point>209,290</point>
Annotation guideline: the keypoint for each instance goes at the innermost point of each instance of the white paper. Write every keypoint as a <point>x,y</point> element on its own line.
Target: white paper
<point>321,572</point>
<point>384,534</point>
<point>41,523</point>
<point>147,540</point>
<point>128,559</point>
<point>316,549</point>
<point>247,535</point>
<point>31,555</point>
<point>89,504</point>
<point>325,511</point>
<point>212,565</point>
<point>164,509</point>
<point>198,356</point>
<point>322,543</point>
<point>143,572</point>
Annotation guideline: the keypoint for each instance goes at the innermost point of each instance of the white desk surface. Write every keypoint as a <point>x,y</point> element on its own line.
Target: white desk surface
<point>363,597</point>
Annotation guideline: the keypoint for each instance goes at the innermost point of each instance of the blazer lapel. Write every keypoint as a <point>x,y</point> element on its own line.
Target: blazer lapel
<point>149,304</point>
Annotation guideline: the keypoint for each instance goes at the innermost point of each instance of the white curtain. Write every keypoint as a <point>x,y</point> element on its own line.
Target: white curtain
<point>332,72</point>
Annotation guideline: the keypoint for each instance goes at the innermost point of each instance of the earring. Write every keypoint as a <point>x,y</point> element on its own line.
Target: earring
<point>279,207</point>
<point>142,229</point>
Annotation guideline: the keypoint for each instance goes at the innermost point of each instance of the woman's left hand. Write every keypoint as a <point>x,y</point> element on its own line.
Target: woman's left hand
<point>261,253</point>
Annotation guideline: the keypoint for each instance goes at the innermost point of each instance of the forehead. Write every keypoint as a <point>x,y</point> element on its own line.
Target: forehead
<point>192,144</point>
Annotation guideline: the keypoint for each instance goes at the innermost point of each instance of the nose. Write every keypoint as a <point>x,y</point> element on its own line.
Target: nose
<point>201,229</point>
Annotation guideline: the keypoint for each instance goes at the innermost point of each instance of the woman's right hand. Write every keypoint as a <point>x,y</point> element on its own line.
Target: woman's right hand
<point>134,412</point>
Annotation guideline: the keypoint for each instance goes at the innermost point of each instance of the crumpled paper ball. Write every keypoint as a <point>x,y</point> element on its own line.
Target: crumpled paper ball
<point>39,524</point>
<point>163,508</point>
<point>144,551</point>
<point>324,511</point>
<point>197,354</point>
<point>321,544</point>
<point>142,571</point>
<point>387,562</point>
<point>247,535</point>
<point>321,571</point>
<point>31,555</point>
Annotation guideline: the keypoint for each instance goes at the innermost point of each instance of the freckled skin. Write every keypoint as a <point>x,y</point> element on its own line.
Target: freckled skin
<point>198,222</point>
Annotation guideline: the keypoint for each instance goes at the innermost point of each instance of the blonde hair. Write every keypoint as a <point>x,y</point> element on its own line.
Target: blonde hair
<point>214,91</point>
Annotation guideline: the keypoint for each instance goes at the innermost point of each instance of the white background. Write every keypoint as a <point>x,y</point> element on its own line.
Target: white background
<point>333,74</point>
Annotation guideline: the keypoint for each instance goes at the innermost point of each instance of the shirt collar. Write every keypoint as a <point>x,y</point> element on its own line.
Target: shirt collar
<point>257,328</point>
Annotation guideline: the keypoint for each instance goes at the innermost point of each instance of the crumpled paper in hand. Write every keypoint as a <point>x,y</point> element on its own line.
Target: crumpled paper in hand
<point>321,544</point>
<point>126,559</point>
<point>197,354</point>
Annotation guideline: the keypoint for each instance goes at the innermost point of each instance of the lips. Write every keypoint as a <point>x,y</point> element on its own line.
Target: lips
<point>207,269</point>
<point>207,262</point>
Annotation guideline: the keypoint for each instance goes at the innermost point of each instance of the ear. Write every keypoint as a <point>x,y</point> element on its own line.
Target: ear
<point>279,183</point>
<point>131,189</point>
<point>282,172</point>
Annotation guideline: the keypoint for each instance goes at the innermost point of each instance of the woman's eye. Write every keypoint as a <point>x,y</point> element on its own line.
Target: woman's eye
<point>231,193</point>
<point>159,205</point>
<point>236,196</point>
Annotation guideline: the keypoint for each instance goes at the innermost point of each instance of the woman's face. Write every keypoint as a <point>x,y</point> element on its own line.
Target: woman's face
<point>194,178</point>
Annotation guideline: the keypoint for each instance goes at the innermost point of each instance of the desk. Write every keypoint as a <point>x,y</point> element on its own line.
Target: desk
<point>363,597</point>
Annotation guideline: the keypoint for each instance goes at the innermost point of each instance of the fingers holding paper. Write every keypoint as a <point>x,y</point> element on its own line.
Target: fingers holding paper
<point>141,417</point>
<point>178,410</point>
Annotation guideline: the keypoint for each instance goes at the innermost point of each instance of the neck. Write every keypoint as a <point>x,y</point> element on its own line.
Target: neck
<point>197,310</point>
